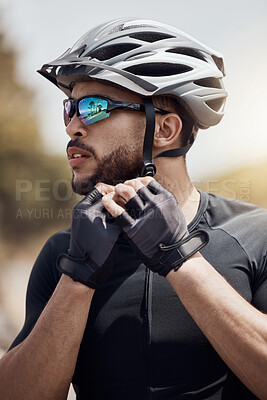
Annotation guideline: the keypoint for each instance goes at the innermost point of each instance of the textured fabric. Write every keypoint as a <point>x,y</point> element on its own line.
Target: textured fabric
<point>157,231</point>
<point>140,342</point>
<point>93,242</point>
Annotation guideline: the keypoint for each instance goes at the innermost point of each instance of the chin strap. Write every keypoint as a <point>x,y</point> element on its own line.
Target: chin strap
<point>149,168</point>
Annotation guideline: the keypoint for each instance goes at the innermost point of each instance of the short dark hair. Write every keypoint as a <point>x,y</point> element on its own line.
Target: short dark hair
<point>171,104</point>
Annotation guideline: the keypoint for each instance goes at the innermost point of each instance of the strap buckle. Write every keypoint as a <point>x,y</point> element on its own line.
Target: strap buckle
<point>149,169</point>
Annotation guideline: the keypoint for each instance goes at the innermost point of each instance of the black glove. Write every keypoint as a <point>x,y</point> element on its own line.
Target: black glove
<point>156,228</point>
<point>93,242</point>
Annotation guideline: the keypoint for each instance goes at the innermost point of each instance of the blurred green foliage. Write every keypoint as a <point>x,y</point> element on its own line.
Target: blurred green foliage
<point>35,192</point>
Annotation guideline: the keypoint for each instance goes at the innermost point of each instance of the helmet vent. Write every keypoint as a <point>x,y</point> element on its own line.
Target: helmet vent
<point>209,82</point>
<point>219,63</point>
<point>187,52</point>
<point>216,105</point>
<point>158,69</point>
<point>108,52</point>
<point>150,37</point>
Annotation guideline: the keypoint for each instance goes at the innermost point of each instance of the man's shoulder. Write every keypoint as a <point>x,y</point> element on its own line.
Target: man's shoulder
<point>60,236</point>
<point>58,242</point>
<point>245,222</point>
<point>225,210</point>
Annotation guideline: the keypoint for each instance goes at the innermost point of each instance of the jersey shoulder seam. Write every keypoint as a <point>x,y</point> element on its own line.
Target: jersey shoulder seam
<point>228,234</point>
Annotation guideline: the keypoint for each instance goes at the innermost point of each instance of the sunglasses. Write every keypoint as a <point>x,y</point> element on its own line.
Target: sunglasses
<point>92,109</point>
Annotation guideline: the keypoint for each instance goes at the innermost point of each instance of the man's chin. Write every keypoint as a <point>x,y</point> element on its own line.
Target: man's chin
<point>117,167</point>
<point>82,185</point>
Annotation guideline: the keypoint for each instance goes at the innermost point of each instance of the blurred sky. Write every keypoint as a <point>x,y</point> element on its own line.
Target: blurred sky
<point>42,30</point>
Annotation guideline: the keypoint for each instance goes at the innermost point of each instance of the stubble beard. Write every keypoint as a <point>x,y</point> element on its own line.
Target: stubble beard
<point>122,164</point>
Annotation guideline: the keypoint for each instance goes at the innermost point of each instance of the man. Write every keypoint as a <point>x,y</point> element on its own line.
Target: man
<point>176,293</point>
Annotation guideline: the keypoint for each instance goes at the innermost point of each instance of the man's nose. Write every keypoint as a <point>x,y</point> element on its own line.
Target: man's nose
<point>76,128</point>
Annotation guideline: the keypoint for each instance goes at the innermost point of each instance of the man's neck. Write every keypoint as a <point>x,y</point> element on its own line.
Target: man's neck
<point>172,174</point>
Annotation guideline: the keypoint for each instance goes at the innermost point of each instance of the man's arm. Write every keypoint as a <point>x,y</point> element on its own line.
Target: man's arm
<point>42,366</point>
<point>236,329</point>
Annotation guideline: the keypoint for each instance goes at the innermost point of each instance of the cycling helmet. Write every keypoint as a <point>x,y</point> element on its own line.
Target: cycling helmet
<point>148,58</point>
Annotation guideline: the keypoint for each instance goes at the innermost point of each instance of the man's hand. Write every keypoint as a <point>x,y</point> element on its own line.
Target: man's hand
<point>154,224</point>
<point>93,242</point>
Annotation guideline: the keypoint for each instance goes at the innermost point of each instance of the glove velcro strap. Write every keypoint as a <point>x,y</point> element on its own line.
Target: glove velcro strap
<point>185,248</point>
<point>79,269</point>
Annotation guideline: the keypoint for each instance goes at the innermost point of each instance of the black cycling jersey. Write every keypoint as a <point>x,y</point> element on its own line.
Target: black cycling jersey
<point>140,342</point>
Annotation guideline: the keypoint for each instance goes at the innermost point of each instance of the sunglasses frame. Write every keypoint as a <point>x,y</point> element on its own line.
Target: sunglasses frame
<point>112,105</point>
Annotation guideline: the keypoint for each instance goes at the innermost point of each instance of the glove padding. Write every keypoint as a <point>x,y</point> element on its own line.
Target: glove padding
<point>156,229</point>
<point>93,242</point>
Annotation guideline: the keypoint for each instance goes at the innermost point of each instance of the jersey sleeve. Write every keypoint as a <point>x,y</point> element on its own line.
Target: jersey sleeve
<point>260,290</point>
<point>42,282</point>
<point>246,224</point>
<point>258,243</point>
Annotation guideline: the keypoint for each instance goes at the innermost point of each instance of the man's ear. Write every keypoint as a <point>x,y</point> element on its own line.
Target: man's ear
<point>167,129</point>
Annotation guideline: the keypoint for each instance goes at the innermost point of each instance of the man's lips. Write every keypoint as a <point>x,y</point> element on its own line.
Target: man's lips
<point>75,152</point>
<point>77,155</point>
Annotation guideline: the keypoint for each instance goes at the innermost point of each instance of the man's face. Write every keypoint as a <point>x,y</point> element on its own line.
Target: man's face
<point>111,148</point>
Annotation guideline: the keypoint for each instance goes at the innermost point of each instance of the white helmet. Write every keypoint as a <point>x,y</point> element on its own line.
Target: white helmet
<point>148,58</point>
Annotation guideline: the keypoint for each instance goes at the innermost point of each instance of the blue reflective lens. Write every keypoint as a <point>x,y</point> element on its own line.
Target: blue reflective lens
<point>92,109</point>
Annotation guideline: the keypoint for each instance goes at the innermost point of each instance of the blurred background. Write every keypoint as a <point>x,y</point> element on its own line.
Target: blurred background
<point>35,193</point>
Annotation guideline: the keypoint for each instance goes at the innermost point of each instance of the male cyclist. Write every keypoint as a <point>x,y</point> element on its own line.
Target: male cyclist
<point>158,291</point>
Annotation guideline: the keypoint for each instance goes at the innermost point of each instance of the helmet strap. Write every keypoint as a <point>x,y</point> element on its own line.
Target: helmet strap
<point>149,168</point>
<point>181,151</point>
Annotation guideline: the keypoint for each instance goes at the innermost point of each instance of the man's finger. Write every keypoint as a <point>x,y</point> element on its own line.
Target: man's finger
<point>146,180</point>
<point>110,204</point>
<point>137,183</point>
<point>104,188</point>
<point>126,192</point>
